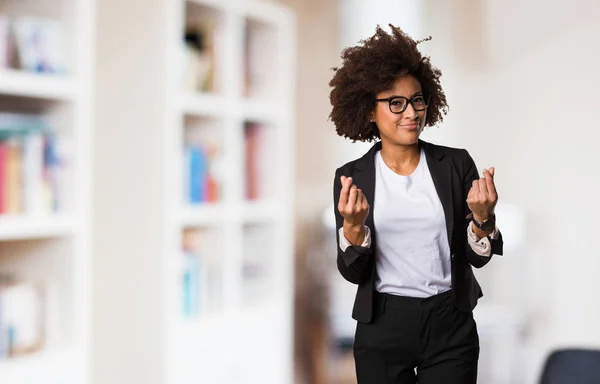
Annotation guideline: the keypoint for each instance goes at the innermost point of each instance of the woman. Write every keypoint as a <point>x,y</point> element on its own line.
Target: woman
<point>413,218</point>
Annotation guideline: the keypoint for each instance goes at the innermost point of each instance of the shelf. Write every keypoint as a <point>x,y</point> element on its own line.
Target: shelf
<point>217,4</point>
<point>265,12</point>
<point>203,214</point>
<point>16,227</point>
<point>192,327</point>
<point>203,105</point>
<point>261,211</point>
<point>36,85</point>
<point>262,110</point>
<point>216,213</point>
<point>218,106</point>
<point>56,367</point>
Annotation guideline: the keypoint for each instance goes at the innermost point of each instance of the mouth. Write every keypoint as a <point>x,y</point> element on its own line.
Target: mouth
<point>410,127</point>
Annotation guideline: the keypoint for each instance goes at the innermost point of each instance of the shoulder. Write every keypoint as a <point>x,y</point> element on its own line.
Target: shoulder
<point>363,162</point>
<point>347,169</point>
<point>457,155</point>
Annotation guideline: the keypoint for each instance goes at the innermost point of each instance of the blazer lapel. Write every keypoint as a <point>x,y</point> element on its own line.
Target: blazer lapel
<point>441,173</point>
<point>364,178</point>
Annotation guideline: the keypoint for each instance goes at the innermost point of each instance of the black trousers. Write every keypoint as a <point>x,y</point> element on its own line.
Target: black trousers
<point>428,335</point>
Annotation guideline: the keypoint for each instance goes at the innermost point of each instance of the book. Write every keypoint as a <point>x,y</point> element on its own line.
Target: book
<point>39,44</point>
<point>22,318</point>
<point>32,164</point>
<point>201,272</point>
<point>201,179</point>
<point>199,55</point>
<point>4,41</point>
<point>260,144</point>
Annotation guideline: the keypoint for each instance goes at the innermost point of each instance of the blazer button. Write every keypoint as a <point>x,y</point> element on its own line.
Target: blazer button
<point>452,256</point>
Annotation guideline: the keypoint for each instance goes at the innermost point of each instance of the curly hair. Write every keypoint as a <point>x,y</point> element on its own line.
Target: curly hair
<point>372,67</point>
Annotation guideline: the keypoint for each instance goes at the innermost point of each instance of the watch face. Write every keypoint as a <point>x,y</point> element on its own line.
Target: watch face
<point>488,225</point>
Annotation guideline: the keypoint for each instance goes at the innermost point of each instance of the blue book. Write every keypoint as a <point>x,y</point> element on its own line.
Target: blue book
<point>198,167</point>
<point>191,284</point>
<point>3,336</point>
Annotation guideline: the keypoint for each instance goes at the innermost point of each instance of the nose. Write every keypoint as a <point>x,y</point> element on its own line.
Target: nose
<point>410,112</point>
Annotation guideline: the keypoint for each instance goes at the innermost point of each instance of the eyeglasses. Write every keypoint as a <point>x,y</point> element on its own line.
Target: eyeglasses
<point>398,104</point>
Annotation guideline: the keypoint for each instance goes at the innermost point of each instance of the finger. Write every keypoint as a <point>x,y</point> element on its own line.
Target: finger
<point>343,201</point>
<point>475,189</point>
<point>489,181</point>
<point>352,198</point>
<point>492,171</point>
<point>483,191</point>
<point>359,200</point>
<point>470,195</point>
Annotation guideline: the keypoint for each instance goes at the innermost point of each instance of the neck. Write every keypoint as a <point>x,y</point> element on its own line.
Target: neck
<point>400,156</point>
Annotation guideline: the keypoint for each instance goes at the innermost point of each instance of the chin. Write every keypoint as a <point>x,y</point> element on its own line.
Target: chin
<point>405,140</point>
<point>409,138</point>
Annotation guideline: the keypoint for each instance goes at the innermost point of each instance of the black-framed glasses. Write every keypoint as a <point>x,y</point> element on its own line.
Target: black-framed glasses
<point>398,104</point>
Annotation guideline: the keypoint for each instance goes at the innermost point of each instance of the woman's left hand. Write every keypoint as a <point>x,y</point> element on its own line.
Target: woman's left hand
<point>482,197</point>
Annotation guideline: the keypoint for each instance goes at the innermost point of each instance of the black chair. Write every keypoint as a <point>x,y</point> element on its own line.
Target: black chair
<point>572,366</point>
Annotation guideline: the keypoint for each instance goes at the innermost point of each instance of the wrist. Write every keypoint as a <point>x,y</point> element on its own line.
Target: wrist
<point>480,233</point>
<point>480,218</point>
<point>355,234</point>
<point>484,223</point>
<point>353,228</point>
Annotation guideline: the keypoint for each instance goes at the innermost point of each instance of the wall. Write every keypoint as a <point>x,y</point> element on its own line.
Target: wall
<point>522,82</point>
<point>129,107</point>
<point>316,159</point>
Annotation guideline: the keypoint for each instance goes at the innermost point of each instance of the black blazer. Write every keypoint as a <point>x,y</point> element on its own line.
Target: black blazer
<point>453,171</point>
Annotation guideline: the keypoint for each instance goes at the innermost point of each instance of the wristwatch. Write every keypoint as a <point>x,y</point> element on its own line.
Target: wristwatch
<point>487,225</point>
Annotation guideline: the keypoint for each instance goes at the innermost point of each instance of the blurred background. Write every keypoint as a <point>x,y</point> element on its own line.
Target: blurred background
<point>166,171</point>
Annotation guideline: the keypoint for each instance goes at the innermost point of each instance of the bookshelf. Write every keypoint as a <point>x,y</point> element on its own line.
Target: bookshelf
<point>45,130</point>
<point>245,233</point>
<point>179,276</point>
<point>31,85</point>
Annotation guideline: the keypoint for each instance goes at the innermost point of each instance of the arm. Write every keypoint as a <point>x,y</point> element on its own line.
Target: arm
<point>473,257</point>
<point>482,245</point>
<point>345,243</point>
<point>354,263</point>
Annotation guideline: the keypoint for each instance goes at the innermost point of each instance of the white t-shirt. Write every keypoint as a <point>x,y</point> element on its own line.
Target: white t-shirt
<point>412,251</point>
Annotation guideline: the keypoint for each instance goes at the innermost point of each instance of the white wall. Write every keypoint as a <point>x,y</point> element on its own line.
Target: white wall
<point>128,162</point>
<point>523,83</point>
<point>358,20</point>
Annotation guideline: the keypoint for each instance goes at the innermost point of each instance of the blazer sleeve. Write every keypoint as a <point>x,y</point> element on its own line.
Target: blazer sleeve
<point>470,174</point>
<point>355,262</point>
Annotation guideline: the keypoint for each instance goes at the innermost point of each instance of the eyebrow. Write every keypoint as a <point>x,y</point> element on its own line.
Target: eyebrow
<point>413,95</point>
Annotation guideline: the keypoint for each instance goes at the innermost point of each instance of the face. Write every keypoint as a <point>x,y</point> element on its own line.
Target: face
<point>400,128</point>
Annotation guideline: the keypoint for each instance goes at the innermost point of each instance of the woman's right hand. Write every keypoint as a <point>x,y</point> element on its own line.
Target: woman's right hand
<point>353,206</point>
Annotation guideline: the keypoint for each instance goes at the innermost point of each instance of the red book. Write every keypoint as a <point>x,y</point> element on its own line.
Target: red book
<point>251,137</point>
<point>3,181</point>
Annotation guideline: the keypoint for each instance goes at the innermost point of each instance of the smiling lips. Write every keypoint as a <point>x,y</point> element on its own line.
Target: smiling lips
<point>410,127</point>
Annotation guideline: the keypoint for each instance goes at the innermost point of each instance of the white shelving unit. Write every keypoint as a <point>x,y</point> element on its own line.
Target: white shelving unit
<point>146,117</point>
<point>21,227</point>
<point>31,85</point>
<point>249,337</point>
<point>54,248</point>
